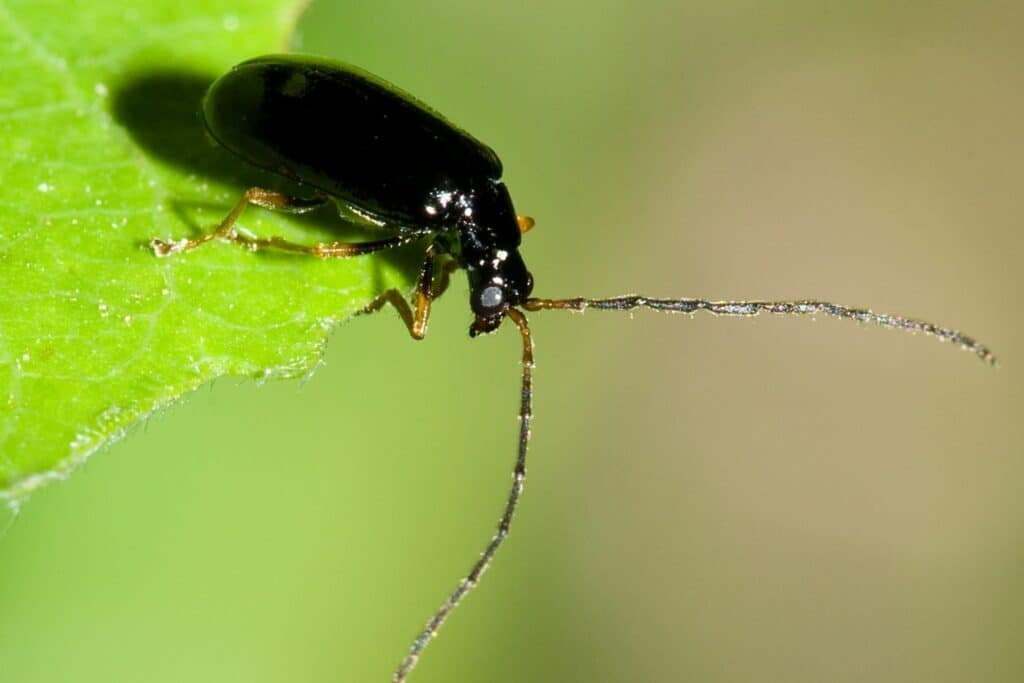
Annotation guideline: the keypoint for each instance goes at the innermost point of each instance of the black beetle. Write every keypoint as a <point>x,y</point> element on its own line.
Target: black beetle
<point>355,139</point>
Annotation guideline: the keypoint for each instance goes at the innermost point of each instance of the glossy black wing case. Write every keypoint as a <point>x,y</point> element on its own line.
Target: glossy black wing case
<point>344,132</point>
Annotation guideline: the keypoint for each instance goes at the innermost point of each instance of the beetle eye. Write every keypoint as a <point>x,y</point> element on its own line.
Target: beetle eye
<point>491,297</point>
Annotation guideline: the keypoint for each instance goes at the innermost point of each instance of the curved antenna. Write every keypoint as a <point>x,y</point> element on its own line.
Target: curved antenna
<point>751,308</point>
<point>518,477</point>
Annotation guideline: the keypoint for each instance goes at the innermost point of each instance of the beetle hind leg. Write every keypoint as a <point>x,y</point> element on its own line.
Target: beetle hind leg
<point>267,199</point>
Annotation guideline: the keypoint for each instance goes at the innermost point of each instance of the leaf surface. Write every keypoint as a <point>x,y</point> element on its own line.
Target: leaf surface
<point>102,148</point>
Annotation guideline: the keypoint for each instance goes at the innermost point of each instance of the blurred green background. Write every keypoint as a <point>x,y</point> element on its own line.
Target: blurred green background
<point>709,500</point>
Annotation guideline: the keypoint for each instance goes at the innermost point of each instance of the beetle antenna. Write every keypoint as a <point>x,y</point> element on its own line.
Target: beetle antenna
<point>751,308</point>
<point>518,477</point>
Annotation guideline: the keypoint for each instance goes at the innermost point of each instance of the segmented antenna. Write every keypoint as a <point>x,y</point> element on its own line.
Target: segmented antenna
<point>752,308</point>
<point>518,477</point>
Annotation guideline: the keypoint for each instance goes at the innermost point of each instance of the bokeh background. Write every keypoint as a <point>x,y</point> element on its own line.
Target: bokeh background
<point>709,500</point>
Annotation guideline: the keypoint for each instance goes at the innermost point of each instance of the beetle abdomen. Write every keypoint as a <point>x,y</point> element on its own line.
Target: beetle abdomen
<point>346,133</point>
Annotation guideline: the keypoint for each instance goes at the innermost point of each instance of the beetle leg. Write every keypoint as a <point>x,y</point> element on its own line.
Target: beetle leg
<point>526,223</point>
<point>424,294</point>
<point>393,297</point>
<point>267,199</point>
<point>417,314</point>
<point>275,201</point>
<point>445,277</point>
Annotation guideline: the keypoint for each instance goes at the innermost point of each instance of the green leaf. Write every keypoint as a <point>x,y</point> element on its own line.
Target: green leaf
<point>101,148</point>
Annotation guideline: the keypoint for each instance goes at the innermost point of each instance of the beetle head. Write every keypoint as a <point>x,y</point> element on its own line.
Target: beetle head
<point>496,282</point>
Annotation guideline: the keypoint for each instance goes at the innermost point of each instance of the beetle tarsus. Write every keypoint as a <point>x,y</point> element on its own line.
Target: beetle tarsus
<point>162,248</point>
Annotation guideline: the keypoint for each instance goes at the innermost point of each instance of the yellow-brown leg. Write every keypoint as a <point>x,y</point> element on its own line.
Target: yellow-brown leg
<point>417,315</point>
<point>267,199</point>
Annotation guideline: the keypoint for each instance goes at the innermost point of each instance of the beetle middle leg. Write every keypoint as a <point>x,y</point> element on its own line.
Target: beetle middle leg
<point>417,314</point>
